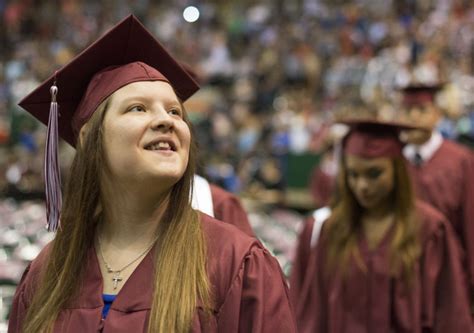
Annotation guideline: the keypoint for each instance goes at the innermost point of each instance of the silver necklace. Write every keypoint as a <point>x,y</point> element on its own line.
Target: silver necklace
<point>116,272</point>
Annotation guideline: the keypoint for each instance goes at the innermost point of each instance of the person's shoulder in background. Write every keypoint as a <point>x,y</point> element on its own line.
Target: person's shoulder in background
<point>227,208</point>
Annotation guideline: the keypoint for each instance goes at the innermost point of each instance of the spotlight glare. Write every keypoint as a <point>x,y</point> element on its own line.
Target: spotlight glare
<point>191,14</point>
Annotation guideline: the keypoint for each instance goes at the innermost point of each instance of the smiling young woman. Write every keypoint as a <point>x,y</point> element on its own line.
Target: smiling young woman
<point>135,153</point>
<point>383,262</point>
<point>131,254</point>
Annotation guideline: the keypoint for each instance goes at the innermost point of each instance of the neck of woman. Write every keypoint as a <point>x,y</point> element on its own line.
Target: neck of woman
<point>131,219</point>
<point>381,211</point>
<point>376,223</point>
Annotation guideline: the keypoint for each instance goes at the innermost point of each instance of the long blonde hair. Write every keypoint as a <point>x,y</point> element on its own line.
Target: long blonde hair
<point>180,278</point>
<point>344,225</point>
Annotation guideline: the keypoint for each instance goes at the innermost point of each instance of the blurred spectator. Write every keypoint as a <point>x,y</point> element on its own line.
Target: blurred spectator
<point>264,70</point>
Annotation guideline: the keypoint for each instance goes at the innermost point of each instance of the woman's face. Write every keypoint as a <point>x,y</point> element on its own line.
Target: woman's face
<point>370,180</point>
<point>145,135</point>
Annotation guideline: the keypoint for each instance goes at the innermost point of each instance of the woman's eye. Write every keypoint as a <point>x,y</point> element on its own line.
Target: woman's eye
<point>352,174</point>
<point>175,112</point>
<point>137,108</point>
<point>374,173</point>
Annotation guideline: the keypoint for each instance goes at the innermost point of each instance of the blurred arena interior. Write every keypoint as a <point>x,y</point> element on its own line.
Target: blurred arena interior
<point>275,76</point>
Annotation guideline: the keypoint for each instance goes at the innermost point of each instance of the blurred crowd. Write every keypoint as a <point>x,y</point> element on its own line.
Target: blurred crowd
<point>275,76</point>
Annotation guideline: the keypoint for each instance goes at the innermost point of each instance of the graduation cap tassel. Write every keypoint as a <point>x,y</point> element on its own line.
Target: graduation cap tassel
<point>52,175</point>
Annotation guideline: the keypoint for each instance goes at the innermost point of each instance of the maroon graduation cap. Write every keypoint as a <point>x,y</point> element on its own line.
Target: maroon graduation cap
<point>125,43</point>
<point>372,139</point>
<point>420,94</point>
<point>65,102</point>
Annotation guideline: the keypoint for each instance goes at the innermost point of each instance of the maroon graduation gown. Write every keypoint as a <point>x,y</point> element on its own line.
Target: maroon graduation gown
<point>250,294</point>
<point>227,208</point>
<point>446,181</point>
<point>373,301</point>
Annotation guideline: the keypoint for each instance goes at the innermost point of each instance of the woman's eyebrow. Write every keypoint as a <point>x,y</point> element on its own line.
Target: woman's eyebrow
<point>174,104</point>
<point>133,98</point>
<point>374,168</point>
<point>148,99</point>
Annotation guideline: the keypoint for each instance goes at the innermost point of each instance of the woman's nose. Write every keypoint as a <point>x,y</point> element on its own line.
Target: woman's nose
<point>161,121</point>
<point>362,184</point>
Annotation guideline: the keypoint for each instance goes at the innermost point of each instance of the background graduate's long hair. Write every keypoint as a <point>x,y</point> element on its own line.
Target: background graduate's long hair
<point>180,265</point>
<point>344,225</point>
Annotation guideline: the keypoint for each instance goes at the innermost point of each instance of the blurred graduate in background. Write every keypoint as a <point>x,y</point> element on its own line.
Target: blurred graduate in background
<point>381,261</point>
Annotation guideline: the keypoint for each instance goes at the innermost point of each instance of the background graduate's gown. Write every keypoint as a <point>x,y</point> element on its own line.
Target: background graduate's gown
<point>220,204</point>
<point>250,293</point>
<point>372,300</point>
<point>227,208</point>
<point>446,181</point>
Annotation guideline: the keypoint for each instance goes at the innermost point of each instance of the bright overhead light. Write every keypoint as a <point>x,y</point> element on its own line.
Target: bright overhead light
<point>191,14</point>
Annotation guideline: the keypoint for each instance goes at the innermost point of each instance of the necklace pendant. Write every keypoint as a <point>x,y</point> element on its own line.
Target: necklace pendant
<point>116,279</point>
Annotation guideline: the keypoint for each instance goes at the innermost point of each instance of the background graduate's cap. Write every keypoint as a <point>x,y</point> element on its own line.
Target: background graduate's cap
<point>372,139</point>
<point>418,94</point>
<point>65,102</point>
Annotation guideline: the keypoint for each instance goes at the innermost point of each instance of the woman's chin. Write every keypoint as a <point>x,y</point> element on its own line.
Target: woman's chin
<point>162,177</point>
<point>367,204</point>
